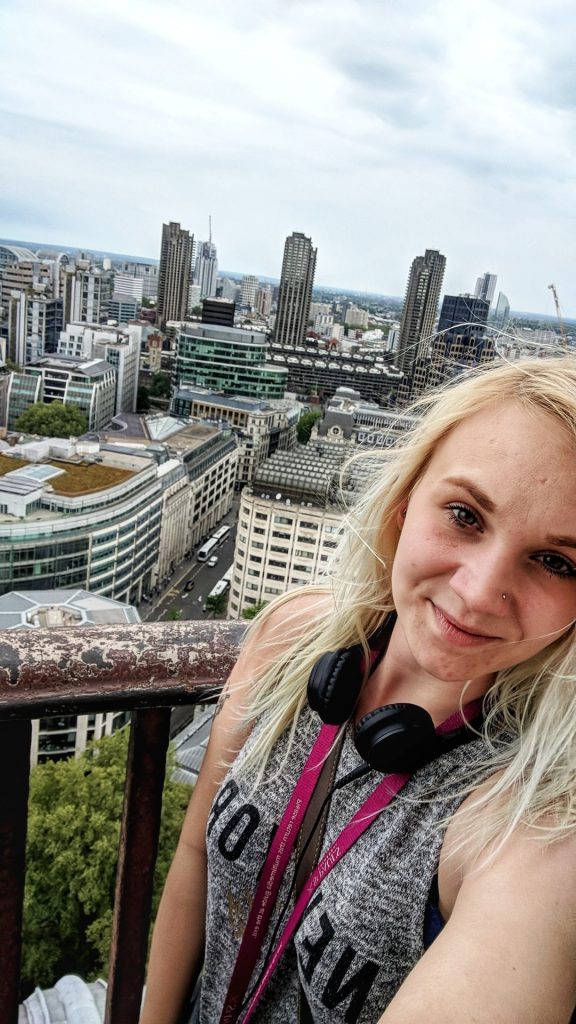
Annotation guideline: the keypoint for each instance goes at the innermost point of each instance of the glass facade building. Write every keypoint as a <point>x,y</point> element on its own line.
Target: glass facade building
<point>225,359</point>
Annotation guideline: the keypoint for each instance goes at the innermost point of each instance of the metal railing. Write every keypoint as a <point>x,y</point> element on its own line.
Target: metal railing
<point>147,669</point>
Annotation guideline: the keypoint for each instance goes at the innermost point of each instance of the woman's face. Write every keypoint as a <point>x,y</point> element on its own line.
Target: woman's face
<point>494,514</point>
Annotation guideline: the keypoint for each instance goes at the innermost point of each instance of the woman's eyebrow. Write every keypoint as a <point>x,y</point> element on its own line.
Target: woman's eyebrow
<point>474,491</point>
<point>561,542</point>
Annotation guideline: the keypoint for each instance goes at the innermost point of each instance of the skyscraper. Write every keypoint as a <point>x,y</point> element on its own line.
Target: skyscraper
<point>420,308</point>
<point>464,316</point>
<point>485,287</point>
<point>206,269</point>
<point>296,282</point>
<point>174,273</point>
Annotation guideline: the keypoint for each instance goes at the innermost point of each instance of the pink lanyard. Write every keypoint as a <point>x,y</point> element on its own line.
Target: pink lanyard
<point>279,855</point>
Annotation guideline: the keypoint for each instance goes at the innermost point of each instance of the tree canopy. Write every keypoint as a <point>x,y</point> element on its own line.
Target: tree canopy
<point>73,833</point>
<point>305,424</point>
<point>251,611</point>
<point>160,386</point>
<point>217,604</point>
<point>53,419</point>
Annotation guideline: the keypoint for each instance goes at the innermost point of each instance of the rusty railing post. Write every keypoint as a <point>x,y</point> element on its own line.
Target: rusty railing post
<point>14,783</point>
<point>137,857</point>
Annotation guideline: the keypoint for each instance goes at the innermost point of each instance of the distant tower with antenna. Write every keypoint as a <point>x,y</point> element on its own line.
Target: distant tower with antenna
<point>206,266</point>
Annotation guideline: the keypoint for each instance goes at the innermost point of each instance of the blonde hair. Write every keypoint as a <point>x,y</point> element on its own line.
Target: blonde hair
<point>532,704</point>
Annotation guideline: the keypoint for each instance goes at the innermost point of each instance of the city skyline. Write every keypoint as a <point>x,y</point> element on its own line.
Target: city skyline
<point>438,125</point>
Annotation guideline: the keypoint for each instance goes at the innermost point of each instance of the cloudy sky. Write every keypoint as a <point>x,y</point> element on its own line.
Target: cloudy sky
<point>378,127</point>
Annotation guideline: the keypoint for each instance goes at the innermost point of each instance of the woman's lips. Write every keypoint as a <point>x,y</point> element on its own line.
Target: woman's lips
<point>458,633</point>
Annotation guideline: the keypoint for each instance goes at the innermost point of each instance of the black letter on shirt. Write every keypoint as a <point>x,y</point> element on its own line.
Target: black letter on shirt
<point>316,949</point>
<point>359,984</point>
<point>225,796</point>
<point>246,811</point>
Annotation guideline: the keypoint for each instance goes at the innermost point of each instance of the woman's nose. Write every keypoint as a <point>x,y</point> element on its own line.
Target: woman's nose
<point>483,584</point>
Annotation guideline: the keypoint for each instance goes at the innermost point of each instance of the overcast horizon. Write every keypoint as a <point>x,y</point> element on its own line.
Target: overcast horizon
<point>377,131</point>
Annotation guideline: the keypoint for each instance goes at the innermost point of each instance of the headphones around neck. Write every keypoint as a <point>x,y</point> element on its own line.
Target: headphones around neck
<point>393,738</point>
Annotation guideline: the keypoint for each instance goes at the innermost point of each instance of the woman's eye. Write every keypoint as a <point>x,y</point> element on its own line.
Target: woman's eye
<point>556,565</point>
<point>462,516</point>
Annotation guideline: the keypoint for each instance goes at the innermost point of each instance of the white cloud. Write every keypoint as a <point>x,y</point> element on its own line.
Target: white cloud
<point>378,128</point>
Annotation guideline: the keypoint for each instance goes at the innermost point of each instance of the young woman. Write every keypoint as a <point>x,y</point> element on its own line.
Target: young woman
<point>456,580</point>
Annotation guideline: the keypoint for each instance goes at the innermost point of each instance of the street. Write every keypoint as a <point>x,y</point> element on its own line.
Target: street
<point>191,603</point>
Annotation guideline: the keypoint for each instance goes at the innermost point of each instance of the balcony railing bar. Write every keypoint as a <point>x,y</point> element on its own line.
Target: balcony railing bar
<point>146,668</point>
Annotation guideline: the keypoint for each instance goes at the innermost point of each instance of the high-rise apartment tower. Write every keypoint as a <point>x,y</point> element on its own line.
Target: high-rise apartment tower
<point>296,282</point>
<point>174,274</point>
<point>420,308</point>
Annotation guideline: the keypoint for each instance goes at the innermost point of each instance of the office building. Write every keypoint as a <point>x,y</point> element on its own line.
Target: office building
<point>485,287</point>
<point>295,292</point>
<point>420,308</point>
<point>89,384</point>
<point>112,513</point>
<point>174,274</point>
<point>145,272</point>
<point>204,453</point>
<point>118,346</point>
<point>248,289</point>
<point>464,315</point>
<point>206,269</point>
<point>73,515</point>
<point>290,519</point>
<point>219,312</point>
<point>226,359</point>
<point>502,311</point>
<point>128,286</point>
<point>264,300</point>
<point>121,309</point>
<point>261,426</point>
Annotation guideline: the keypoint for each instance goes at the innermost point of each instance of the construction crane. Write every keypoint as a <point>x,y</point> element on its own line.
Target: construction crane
<point>552,288</point>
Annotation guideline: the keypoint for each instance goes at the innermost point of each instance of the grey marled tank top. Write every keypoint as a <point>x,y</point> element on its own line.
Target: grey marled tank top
<point>363,931</point>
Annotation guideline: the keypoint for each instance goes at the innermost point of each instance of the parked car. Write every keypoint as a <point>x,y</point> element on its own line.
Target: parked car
<point>189,585</point>
<point>212,561</point>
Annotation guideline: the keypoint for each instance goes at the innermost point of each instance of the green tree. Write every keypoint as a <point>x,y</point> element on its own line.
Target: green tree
<point>305,424</point>
<point>175,614</point>
<point>53,419</point>
<point>218,604</point>
<point>160,385</point>
<point>252,610</point>
<point>142,399</point>
<point>73,832</point>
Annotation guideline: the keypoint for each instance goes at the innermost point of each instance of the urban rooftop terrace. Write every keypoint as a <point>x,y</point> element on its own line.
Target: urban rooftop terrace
<point>147,669</point>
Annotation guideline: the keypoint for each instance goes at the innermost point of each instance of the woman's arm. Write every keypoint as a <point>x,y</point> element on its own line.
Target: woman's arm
<point>508,952</point>
<point>178,937</point>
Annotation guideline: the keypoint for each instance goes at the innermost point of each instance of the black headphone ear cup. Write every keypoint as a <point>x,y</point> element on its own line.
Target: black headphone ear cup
<point>334,684</point>
<point>397,738</point>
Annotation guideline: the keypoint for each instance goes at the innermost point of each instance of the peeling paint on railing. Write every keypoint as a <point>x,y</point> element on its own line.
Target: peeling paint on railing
<point>41,670</point>
<point>78,670</point>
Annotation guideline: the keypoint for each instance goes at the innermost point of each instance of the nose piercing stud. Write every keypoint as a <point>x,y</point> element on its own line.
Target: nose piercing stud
<point>503,597</point>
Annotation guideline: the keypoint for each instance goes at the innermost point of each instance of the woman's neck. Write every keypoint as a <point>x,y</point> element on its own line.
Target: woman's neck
<point>399,680</point>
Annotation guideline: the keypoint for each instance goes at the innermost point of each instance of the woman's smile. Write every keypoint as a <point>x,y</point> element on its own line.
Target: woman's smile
<point>457,633</point>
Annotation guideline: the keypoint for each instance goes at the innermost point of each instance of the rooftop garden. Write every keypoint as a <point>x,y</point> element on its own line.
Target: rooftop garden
<point>77,478</point>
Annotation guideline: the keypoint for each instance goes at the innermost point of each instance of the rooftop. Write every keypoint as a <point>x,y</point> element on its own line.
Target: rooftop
<point>75,478</point>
